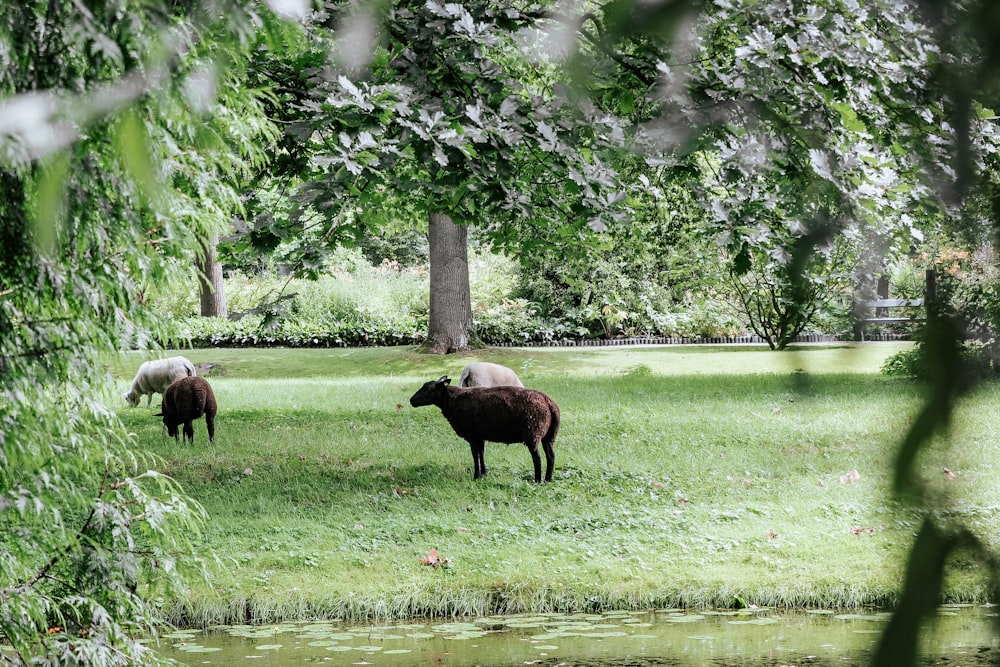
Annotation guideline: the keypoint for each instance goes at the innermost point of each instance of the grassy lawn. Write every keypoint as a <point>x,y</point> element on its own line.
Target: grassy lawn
<point>685,476</point>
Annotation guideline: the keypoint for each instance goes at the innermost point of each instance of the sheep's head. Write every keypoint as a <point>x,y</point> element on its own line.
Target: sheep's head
<point>431,392</point>
<point>170,423</point>
<point>131,398</point>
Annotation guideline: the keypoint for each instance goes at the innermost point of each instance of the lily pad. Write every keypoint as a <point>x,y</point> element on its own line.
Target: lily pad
<point>268,647</point>
<point>396,651</point>
<point>857,617</point>
<point>514,621</point>
<point>318,627</point>
<point>467,635</point>
<point>456,627</point>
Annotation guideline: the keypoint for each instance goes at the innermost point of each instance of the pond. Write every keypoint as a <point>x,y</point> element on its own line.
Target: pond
<point>960,635</point>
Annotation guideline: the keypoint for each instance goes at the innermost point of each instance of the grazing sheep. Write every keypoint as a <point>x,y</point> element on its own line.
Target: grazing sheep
<point>485,374</point>
<point>497,414</point>
<point>184,401</point>
<point>155,376</point>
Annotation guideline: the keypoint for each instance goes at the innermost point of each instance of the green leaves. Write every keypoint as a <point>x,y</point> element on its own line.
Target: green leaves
<point>109,175</point>
<point>458,118</point>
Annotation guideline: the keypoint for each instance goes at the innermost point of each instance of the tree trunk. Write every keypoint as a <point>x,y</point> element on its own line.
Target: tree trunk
<point>213,293</point>
<point>450,317</point>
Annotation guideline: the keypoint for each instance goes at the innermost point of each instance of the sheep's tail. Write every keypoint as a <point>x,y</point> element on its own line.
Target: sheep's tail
<point>189,367</point>
<point>550,435</point>
<point>464,378</point>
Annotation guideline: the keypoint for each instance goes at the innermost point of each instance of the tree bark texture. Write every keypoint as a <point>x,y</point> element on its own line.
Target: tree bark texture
<point>450,317</point>
<point>213,293</point>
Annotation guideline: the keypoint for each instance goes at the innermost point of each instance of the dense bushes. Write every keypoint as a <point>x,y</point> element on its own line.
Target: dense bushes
<point>357,304</point>
<point>968,290</point>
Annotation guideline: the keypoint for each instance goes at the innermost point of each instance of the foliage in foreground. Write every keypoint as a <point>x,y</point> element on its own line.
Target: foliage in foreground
<point>96,100</point>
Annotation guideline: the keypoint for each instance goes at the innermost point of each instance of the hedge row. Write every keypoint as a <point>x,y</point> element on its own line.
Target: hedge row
<point>252,332</point>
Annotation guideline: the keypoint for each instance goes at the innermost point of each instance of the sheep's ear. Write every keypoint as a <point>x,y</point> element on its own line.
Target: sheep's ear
<point>158,414</point>
<point>443,380</point>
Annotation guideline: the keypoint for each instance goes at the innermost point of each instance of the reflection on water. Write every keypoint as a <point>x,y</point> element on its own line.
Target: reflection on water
<point>959,634</point>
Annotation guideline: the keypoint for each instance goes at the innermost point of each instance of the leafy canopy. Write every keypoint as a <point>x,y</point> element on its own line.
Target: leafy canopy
<point>449,114</point>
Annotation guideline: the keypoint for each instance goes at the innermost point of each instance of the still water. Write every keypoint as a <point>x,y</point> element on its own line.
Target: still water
<point>958,635</point>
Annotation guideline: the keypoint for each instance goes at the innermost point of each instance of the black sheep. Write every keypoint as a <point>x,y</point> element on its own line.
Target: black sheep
<point>497,414</point>
<point>184,401</point>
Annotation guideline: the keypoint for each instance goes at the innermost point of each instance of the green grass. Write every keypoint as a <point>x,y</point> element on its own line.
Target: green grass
<point>685,476</point>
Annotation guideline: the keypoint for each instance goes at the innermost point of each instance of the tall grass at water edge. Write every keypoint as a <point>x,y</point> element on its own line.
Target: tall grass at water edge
<point>695,476</point>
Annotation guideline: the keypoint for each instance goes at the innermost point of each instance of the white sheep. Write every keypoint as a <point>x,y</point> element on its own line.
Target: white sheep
<point>486,374</point>
<point>153,377</point>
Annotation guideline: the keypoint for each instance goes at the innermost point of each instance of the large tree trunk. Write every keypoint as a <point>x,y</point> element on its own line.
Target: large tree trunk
<point>450,322</point>
<point>213,293</point>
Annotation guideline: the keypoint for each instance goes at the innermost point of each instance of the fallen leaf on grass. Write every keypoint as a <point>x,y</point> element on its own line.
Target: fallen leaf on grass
<point>852,476</point>
<point>399,406</point>
<point>248,471</point>
<point>401,492</point>
<point>771,534</point>
<point>857,530</point>
<point>434,559</point>
<point>949,474</point>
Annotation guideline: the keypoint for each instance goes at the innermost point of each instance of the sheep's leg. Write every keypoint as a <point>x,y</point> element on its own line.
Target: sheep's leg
<point>188,432</point>
<point>478,463</point>
<point>210,423</point>
<point>536,460</point>
<point>550,460</point>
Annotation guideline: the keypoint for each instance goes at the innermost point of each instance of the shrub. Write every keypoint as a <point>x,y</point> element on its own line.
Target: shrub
<point>908,363</point>
<point>975,364</point>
